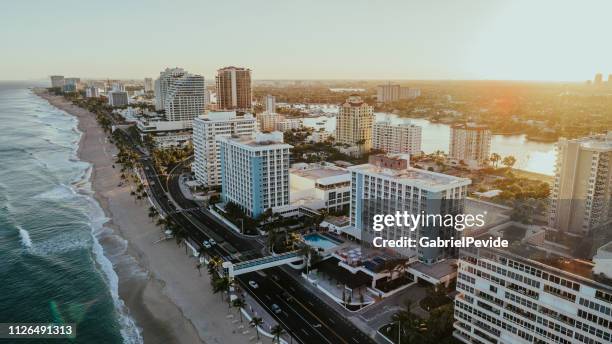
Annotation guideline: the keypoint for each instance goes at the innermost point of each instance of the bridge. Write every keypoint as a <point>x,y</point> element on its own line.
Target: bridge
<point>235,269</point>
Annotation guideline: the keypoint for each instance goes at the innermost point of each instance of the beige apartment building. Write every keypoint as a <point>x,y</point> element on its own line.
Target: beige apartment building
<point>470,143</point>
<point>354,124</point>
<point>397,138</point>
<point>582,192</point>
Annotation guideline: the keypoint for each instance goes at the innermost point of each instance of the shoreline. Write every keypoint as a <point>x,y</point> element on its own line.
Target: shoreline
<point>163,291</point>
<point>134,292</point>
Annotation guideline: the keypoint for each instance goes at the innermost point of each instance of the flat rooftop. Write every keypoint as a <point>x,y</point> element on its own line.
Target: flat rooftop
<point>413,175</point>
<point>320,172</point>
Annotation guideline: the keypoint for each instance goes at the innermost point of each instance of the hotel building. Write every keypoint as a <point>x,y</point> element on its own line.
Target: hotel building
<point>581,197</point>
<point>401,138</point>
<point>162,84</point>
<point>354,124</point>
<point>470,143</point>
<point>234,89</point>
<point>184,99</point>
<point>255,172</point>
<point>508,298</point>
<point>388,184</point>
<point>206,164</point>
<point>287,124</point>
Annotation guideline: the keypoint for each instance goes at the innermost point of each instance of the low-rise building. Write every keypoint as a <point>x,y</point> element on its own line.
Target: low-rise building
<point>287,124</point>
<point>320,186</point>
<point>320,136</point>
<point>166,134</point>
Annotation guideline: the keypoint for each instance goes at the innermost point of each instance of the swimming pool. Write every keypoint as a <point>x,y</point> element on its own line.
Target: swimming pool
<point>317,240</point>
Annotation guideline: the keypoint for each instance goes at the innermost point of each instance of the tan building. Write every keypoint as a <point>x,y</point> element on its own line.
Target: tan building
<point>398,138</point>
<point>354,124</point>
<point>234,89</point>
<point>582,193</point>
<point>267,121</point>
<point>470,143</point>
<point>388,93</point>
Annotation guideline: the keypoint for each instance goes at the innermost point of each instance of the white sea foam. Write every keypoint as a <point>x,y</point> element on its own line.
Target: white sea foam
<point>81,187</point>
<point>26,241</point>
<point>59,192</point>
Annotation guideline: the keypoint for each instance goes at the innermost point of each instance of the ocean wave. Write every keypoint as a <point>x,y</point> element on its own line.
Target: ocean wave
<point>80,186</point>
<point>26,241</point>
<point>59,192</point>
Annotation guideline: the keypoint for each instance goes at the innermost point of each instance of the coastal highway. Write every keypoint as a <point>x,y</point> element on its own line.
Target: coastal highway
<point>322,319</point>
<point>301,316</point>
<point>304,316</point>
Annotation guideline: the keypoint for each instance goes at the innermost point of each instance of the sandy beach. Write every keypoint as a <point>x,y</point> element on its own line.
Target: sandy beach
<point>164,292</point>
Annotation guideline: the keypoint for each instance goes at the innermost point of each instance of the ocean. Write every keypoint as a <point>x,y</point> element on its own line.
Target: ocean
<point>52,265</point>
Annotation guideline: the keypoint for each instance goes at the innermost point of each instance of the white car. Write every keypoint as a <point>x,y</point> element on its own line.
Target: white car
<point>253,284</point>
<point>212,241</point>
<point>206,244</point>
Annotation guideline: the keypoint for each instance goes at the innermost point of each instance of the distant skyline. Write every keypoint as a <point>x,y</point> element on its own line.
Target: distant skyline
<point>334,39</point>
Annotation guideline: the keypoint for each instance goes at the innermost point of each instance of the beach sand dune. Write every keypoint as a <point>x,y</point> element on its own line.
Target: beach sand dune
<point>169,299</point>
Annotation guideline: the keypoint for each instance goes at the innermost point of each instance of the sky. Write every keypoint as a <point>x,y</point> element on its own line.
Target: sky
<point>289,39</point>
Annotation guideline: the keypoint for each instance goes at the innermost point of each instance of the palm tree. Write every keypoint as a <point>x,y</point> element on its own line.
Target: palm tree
<point>277,331</point>
<point>256,322</point>
<point>221,284</point>
<point>239,303</point>
<point>495,158</point>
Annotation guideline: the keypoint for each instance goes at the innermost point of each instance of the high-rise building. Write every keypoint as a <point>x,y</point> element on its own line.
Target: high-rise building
<point>581,197</point>
<point>148,85</point>
<point>234,89</point>
<point>354,123</point>
<point>270,102</point>
<point>505,297</point>
<point>388,184</point>
<point>185,98</point>
<point>388,93</point>
<point>162,84</point>
<point>117,98</point>
<point>57,81</point>
<point>470,143</point>
<point>73,81</point>
<point>400,138</point>
<point>92,92</point>
<point>598,79</point>
<point>206,164</point>
<point>255,172</point>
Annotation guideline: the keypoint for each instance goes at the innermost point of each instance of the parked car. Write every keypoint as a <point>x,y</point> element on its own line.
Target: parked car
<point>206,244</point>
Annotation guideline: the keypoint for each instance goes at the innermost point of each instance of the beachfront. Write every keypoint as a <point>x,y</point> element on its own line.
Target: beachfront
<point>172,303</point>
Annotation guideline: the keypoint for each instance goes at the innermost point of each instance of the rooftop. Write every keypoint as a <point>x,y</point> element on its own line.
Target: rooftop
<point>321,172</point>
<point>411,175</point>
